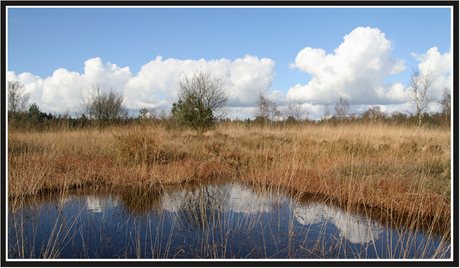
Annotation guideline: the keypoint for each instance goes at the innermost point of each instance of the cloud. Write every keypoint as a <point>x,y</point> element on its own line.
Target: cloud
<point>33,82</point>
<point>355,228</point>
<point>241,78</point>
<point>440,66</point>
<point>241,113</point>
<point>155,86</point>
<point>62,91</point>
<point>356,71</point>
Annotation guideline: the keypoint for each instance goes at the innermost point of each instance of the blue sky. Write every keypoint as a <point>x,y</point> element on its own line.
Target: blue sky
<point>43,40</point>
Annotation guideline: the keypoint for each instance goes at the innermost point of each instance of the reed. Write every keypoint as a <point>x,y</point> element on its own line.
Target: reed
<point>402,169</point>
<point>196,220</point>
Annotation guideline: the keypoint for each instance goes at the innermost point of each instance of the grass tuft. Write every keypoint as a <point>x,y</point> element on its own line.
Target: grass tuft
<point>380,166</point>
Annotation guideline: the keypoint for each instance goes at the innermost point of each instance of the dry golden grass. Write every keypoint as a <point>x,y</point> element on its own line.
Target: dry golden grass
<point>404,170</point>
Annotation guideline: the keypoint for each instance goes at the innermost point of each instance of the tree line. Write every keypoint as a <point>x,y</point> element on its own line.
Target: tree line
<point>202,104</point>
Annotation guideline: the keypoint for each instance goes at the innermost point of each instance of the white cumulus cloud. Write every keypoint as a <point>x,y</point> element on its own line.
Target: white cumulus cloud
<point>158,79</point>
<point>356,71</point>
<point>62,91</point>
<point>440,66</point>
<point>155,86</point>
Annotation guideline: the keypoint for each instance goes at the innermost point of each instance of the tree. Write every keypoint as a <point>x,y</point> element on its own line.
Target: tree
<point>35,114</point>
<point>201,101</point>
<point>373,114</point>
<point>294,111</point>
<point>341,108</point>
<point>146,116</point>
<point>17,97</point>
<point>419,93</point>
<point>446,104</point>
<point>35,117</point>
<point>398,118</point>
<point>104,106</point>
<point>327,112</point>
<point>265,109</point>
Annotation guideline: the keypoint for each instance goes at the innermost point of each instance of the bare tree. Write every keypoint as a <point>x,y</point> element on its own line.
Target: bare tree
<point>163,114</point>
<point>201,102</point>
<point>327,111</point>
<point>419,93</point>
<point>446,103</point>
<point>294,111</point>
<point>104,106</point>
<point>341,108</point>
<point>373,114</point>
<point>265,109</point>
<point>18,99</point>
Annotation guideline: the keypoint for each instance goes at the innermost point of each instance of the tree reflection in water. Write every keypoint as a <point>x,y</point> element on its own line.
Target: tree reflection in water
<point>219,220</point>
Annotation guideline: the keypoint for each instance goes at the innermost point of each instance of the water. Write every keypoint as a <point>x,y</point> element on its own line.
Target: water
<point>226,220</point>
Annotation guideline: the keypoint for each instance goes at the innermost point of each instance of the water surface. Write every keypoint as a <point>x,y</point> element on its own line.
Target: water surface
<point>220,220</point>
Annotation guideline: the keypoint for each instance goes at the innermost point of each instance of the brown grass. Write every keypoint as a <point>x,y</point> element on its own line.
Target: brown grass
<point>403,170</point>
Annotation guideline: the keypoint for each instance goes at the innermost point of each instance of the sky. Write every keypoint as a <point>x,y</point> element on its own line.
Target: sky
<point>307,54</point>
